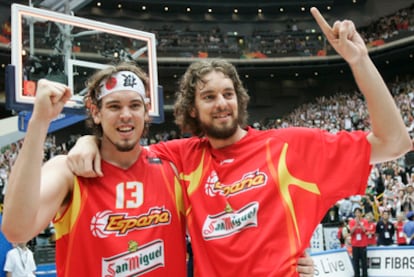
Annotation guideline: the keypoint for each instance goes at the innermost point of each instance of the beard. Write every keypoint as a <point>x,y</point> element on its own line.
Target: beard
<point>222,132</point>
<point>124,147</point>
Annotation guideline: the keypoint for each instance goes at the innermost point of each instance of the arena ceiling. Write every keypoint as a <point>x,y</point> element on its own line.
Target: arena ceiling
<point>87,7</point>
<point>195,7</point>
<point>390,59</point>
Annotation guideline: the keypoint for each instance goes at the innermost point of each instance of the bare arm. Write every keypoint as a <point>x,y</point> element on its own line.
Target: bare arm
<point>84,158</point>
<point>389,138</point>
<point>34,194</point>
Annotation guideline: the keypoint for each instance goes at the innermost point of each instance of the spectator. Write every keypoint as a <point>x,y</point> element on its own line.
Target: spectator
<point>367,203</point>
<point>408,198</point>
<point>332,217</point>
<point>11,154</point>
<point>5,246</point>
<point>372,238</point>
<point>385,230</point>
<point>359,241</point>
<point>20,261</point>
<point>399,232</point>
<point>343,232</point>
<point>408,228</point>
<point>345,208</point>
<point>356,202</point>
<point>389,196</point>
<point>399,207</point>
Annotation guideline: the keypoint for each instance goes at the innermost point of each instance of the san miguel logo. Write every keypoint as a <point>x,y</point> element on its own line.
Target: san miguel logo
<point>250,180</point>
<point>134,263</point>
<point>228,223</point>
<point>106,222</point>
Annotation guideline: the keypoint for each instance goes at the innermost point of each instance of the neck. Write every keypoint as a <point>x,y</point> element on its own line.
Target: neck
<point>220,143</point>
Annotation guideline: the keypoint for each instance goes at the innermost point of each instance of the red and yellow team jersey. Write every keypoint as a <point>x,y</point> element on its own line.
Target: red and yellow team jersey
<point>128,223</point>
<point>252,207</point>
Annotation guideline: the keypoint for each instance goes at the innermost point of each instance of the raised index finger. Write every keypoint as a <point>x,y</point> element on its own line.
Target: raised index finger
<point>325,27</point>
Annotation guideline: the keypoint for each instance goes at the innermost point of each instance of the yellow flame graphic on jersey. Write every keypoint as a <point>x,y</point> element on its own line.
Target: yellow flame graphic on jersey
<point>285,179</point>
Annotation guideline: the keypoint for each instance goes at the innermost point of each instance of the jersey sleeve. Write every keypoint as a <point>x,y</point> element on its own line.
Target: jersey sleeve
<point>169,150</point>
<point>339,162</point>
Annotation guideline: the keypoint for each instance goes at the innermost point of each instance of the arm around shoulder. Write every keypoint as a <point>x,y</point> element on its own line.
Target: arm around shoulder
<point>84,158</point>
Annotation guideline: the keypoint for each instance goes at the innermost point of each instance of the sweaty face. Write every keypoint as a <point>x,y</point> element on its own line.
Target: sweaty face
<point>122,118</point>
<point>216,106</point>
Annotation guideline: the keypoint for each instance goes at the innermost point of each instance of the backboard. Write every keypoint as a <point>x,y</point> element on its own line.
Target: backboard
<point>69,49</point>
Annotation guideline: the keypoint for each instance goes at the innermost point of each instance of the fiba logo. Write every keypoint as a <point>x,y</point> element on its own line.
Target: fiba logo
<point>98,224</point>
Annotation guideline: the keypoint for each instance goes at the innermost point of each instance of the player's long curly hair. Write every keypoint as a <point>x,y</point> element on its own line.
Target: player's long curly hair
<point>185,96</point>
<point>94,90</point>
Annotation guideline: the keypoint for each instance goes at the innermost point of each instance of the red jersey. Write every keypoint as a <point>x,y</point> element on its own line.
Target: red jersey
<point>359,237</point>
<point>401,239</point>
<point>127,223</point>
<point>372,237</point>
<point>253,206</point>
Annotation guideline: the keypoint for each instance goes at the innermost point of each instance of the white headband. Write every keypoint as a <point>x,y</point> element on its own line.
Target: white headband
<point>122,80</point>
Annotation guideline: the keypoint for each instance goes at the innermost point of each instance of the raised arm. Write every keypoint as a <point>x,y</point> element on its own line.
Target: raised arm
<point>34,194</point>
<point>388,137</point>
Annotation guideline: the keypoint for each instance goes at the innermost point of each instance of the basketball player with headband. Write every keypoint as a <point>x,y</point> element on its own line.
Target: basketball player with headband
<point>129,222</point>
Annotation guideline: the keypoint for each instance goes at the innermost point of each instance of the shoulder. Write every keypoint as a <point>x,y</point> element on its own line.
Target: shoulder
<point>170,144</point>
<point>151,156</point>
<point>290,135</point>
<point>303,133</point>
<point>155,159</point>
<point>11,253</point>
<point>179,147</point>
<point>284,132</point>
<point>316,142</point>
<point>59,161</point>
<point>57,169</point>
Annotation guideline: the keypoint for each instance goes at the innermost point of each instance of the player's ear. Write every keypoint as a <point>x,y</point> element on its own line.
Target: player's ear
<point>147,106</point>
<point>147,117</point>
<point>95,113</point>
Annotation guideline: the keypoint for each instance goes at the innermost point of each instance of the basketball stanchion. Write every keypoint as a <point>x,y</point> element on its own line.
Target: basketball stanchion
<point>61,61</point>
